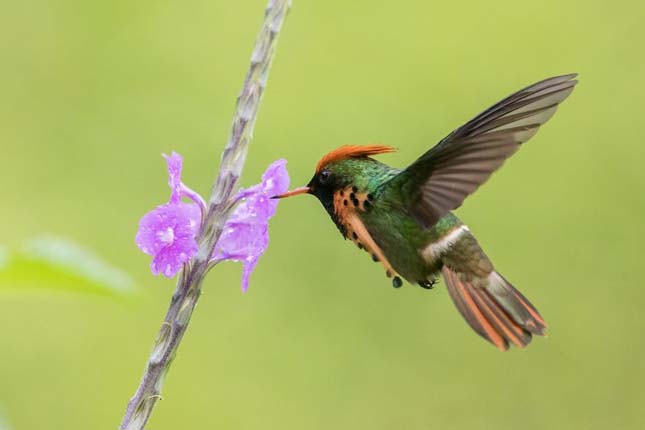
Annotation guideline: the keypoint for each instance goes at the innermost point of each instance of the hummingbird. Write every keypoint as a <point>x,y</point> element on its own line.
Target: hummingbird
<point>403,217</point>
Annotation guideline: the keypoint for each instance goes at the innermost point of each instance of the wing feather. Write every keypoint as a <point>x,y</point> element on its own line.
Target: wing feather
<point>444,176</point>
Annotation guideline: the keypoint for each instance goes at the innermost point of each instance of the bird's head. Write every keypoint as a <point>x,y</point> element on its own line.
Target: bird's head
<point>337,170</point>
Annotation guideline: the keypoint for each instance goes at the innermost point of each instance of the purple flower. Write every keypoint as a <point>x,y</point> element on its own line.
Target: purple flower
<point>168,234</point>
<point>246,233</point>
<point>169,231</point>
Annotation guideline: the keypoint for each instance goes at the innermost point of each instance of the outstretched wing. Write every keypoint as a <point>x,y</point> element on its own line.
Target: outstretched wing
<point>443,177</point>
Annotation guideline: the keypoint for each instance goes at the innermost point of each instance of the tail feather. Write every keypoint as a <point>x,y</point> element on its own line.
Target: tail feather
<point>511,331</point>
<point>458,295</point>
<point>517,305</point>
<point>461,294</point>
<point>494,309</point>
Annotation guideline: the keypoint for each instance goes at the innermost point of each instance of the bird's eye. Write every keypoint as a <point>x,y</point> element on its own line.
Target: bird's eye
<point>324,176</point>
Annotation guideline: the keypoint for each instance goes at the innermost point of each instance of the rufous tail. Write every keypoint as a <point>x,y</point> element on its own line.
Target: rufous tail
<point>494,308</point>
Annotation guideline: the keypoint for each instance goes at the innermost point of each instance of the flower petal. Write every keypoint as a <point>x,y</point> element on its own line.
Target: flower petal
<point>174,162</point>
<point>247,269</point>
<point>168,234</point>
<point>246,236</point>
<point>170,259</point>
<point>241,240</point>
<point>275,179</point>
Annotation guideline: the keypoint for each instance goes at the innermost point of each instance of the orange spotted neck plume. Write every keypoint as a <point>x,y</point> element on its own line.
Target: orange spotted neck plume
<point>403,218</point>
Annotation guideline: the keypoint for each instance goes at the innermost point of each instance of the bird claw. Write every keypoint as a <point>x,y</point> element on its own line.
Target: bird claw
<point>428,284</point>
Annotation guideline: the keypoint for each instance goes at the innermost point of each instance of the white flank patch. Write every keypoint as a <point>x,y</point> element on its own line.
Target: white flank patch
<point>436,249</point>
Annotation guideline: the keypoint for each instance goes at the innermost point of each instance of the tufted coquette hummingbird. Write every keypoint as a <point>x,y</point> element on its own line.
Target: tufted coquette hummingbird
<point>403,217</point>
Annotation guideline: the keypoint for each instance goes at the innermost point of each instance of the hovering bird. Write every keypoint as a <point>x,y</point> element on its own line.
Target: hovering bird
<point>403,217</point>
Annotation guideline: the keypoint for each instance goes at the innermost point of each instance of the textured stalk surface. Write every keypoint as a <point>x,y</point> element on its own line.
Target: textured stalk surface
<point>220,204</point>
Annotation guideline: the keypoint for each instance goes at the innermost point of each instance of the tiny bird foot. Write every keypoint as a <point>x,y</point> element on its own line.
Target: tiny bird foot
<point>428,284</point>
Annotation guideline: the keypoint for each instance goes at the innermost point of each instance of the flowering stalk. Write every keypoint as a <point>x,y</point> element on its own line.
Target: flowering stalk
<point>216,214</point>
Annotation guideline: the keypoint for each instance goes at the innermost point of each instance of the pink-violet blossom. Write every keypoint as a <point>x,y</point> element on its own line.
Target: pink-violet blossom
<point>168,232</point>
<point>246,233</point>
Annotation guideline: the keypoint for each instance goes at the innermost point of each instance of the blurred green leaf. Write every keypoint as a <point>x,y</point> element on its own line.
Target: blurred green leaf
<point>59,264</point>
<point>4,425</point>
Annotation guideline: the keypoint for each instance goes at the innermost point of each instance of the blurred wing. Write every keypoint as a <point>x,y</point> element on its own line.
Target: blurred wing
<point>443,177</point>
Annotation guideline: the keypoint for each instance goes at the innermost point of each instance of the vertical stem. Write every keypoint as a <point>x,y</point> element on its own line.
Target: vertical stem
<point>165,347</point>
<point>248,103</point>
<point>189,283</point>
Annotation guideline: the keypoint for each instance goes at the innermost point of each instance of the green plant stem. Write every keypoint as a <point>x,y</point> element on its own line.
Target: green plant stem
<point>190,279</point>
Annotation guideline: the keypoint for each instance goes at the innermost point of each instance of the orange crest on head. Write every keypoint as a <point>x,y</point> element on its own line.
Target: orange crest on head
<point>352,151</point>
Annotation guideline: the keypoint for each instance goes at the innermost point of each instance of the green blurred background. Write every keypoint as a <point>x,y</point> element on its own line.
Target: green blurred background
<point>93,92</point>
